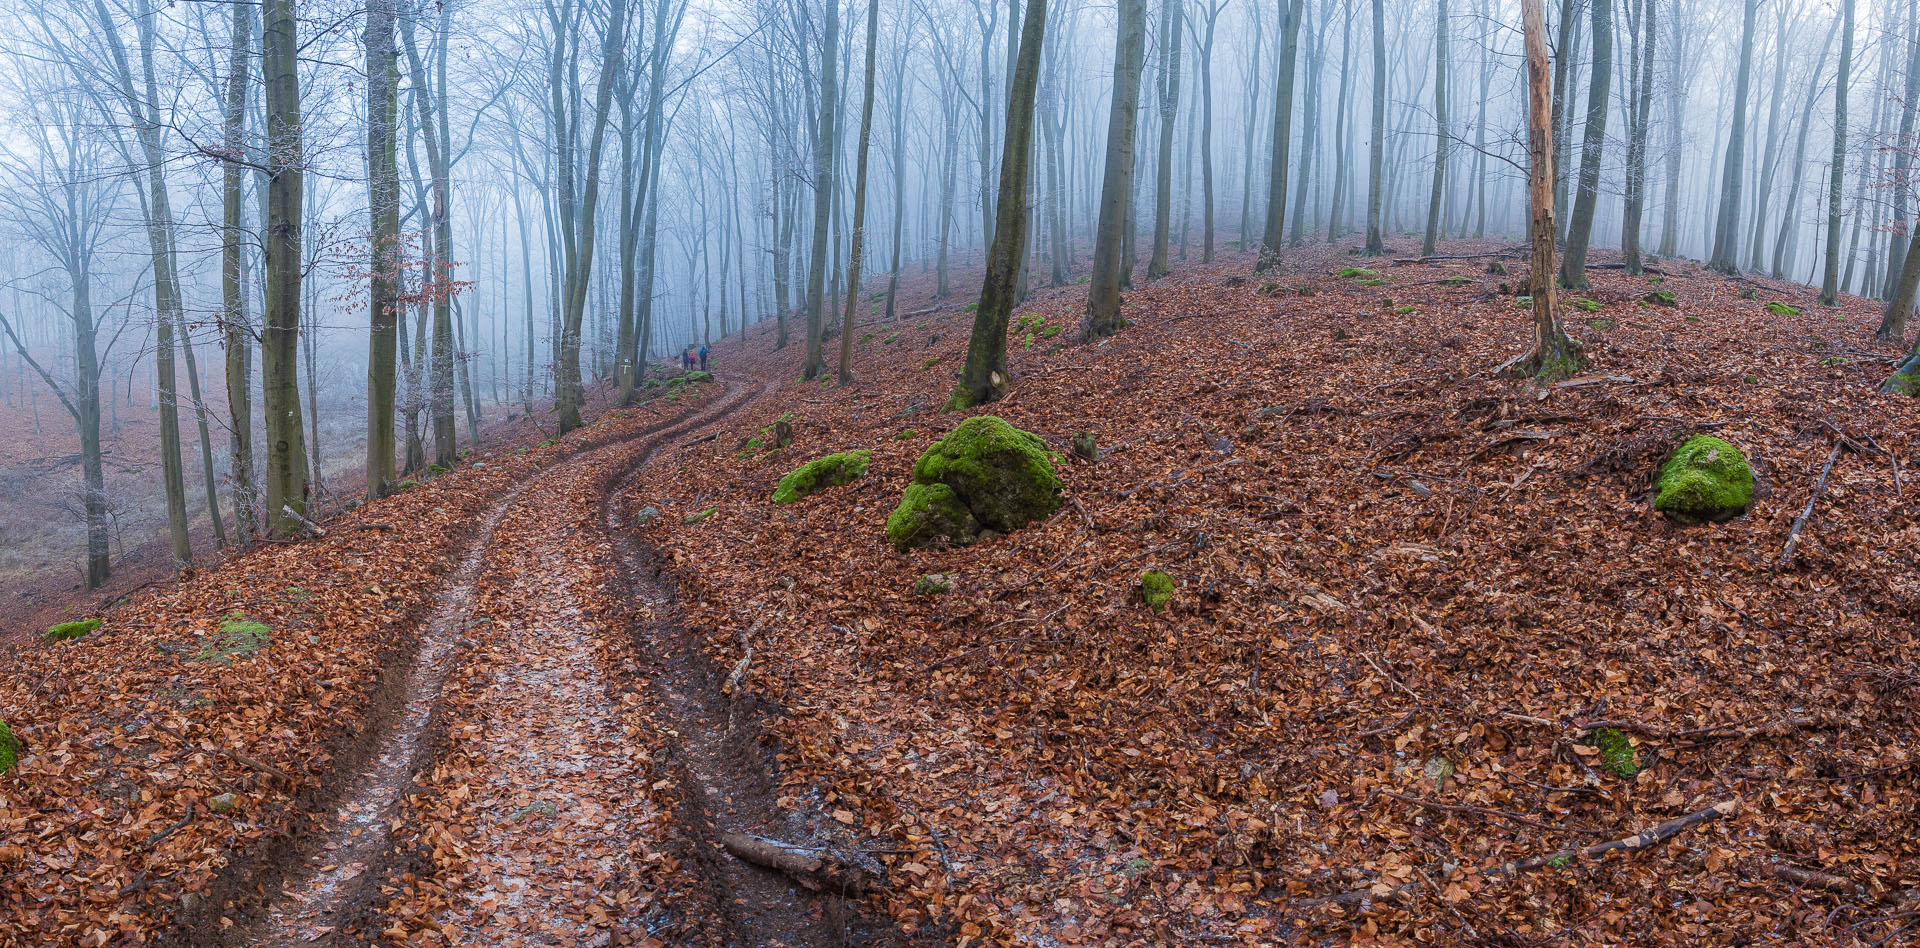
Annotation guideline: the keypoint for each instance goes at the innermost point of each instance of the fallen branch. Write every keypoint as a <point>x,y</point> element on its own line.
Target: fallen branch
<point>1596,380</point>
<point>1810,879</point>
<point>1509,252</point>
<point>155,839</point>
<point>1819,488</point>
<point>819,870</point>
<point>235,756</point>
<point>312,527</point>
<point>1734,729</point>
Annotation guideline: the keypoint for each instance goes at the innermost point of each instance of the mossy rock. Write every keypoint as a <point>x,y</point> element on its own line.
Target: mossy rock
<point>1904,383</point>
<point>9,748</point>
<point>1590,305</point>
<point>1661,298</point>
<point>1706,479</point>
<point>1355,273</point>
<point>830,471</point>
<point>984,475</point>
<point>1268,288</point>
<point>906,435</point>
<point>69,630</point>
<point>1778,308</point>
<point>933,584</point>
<point>929,513</point>
<point>1156,590</point>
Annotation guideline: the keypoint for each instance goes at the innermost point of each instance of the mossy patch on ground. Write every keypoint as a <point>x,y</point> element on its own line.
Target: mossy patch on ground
<point>1616,752</point>
<point>1778,308</point>
<point>239,637</point>
<point>1355,273</point>
<point>9,748</point>
<point>1661,298</point>
<point>1704,479</point>
<point>830,471</point>
<point>1156,589</point>
<point>69,630</point>
<point>984,475</point>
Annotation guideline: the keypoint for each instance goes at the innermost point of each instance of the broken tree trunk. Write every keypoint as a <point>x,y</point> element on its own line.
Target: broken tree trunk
<point>820,870</point>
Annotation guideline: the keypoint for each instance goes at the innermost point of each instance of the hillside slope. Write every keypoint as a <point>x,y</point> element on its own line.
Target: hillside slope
<point>1412,598</point>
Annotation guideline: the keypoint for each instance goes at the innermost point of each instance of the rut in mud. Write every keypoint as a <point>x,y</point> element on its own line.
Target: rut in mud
<point>562,753</point>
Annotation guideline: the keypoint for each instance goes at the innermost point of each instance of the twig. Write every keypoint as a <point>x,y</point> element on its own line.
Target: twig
<point>155,839</point>
<point>1819,488</point>
<point>256,764</point>
<point>1390,727</point>
<point>1811,879</point>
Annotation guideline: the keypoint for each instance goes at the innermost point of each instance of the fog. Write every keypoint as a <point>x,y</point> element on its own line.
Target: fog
<point>198,281</point>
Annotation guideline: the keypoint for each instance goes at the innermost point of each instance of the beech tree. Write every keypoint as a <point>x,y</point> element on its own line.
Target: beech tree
<point>1573,267</point>
<point>1116,184</point>
<point>1553,354</point>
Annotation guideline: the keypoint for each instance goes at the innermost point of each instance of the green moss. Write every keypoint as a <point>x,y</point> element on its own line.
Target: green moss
<point>1268,288</point>
<point>1616,752</point>
<point>9,748</point>
<point>1705,479</point>
<point>930,363</point>
<point>928,513</point>
<point>891,337</point>
<point>1305,290</point>
<point>1778,308</point>
<point>1027,343</point>
<point>69,630</point>
<point>239,636</point>
<point>906,435</point>
<point>702,515</point>
<point>1051,331</point>
<point>1355,273</point>
<point>985,474</point>
<point>1748,293</point>
<point>973,306</point>
<point>1560,862</point>
<point>830,471</point>
<point>1653,281</point>
<point>1692,318</point>
<point>1590,305</point>
<point>933,584</point>
<point>1661,298</point>
<point>1456,280</point>
<point>1156,589</point>
<point>1905,383</point>
<point>1374,282</point>
<point>866,338</point>
<point>1404,310</point>
<point>1600,323</point>
<point>1524,302</point>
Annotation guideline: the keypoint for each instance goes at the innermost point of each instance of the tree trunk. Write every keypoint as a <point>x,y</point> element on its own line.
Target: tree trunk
<point>1377,144</point>
<point>235,326</point>
<point>383,202</point>
<point>984,378</point>
<point>1169,95</point>
<point>1573,267</point>
<point>1830,282</point>
<point>1726,232</point>
<point>1441,141</point>
<point>1340,136</point>
<point>1270,241</point>
<point>1640,105</point>
<point>823,155</point>
<point>1893,323</point>
<point>856,255</point>
<point>280,324</point>
<point>1116,186</point>
<point>1553,353</point>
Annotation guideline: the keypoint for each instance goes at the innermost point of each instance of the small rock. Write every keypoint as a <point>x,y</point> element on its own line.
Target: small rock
<point>646,515</point>
<point>1329,799</point>
<point>224,803</point>
<point>933,584</point>
<point>1218,443</point>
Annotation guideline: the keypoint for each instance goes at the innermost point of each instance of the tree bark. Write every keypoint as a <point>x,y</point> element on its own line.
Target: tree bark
<point>1726,233</point>
<point>1573,267</point>
<point>1377,145</point>
<point>1270,241</point>
<point>857,254</point>
<point>1553,353</point>
<point>1830,281</point>
<point>235,326</point>
<point>984,378</point>
<point>280,324</point>
<point>383,209</point>
<point>1893,323</point>
<point>823,156</point>
<point>1116,186</point>
<point>1441,140</point>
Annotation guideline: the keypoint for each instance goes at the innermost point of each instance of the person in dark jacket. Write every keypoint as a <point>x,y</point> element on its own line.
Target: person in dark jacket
<point>704,352</point>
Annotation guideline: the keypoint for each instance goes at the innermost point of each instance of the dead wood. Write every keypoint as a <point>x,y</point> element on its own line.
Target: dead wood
<point>820,870</point>
<point>1820,487</point>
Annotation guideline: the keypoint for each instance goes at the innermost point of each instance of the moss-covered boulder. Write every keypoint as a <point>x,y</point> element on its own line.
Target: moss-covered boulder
<point>929,513</point>
<point>69,630</point>
<point>984,475</point>
<point>9,748</point>
<point>1705,479</point>
<point>830,471</point>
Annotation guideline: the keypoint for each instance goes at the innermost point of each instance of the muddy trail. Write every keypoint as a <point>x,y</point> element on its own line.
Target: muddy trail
<point>562,764</point>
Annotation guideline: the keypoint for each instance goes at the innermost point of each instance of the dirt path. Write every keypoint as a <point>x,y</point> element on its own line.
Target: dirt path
<point>513,670</point>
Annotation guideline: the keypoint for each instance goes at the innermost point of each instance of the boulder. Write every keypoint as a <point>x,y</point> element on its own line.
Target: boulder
<point>1704,479</point>
<point>830,471</point>
<point>985,475</point>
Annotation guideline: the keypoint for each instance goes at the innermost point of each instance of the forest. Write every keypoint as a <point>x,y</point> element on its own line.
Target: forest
<point>914,472</point>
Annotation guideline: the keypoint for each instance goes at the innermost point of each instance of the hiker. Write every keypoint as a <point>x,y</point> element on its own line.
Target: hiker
<point>703,356</point>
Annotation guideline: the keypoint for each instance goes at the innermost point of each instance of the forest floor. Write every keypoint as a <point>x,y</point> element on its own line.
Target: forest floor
<point>524,702</point>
